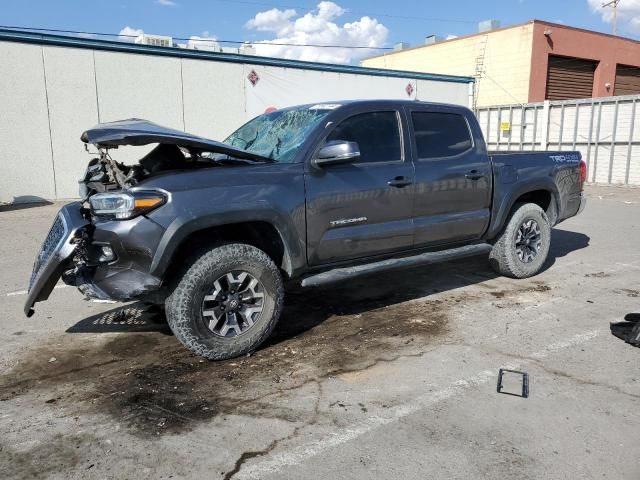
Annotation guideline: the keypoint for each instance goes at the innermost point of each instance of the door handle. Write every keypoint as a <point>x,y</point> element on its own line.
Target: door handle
<point>399,182</point>
<point>474,175</point>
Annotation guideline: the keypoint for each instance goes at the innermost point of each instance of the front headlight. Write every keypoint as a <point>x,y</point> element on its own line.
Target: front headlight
<point>125,205</point>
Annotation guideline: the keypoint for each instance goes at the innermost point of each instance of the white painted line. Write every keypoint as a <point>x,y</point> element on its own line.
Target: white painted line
<point>626,266</point>
<point>276,463</point>
<point>571,342</point>
<point>24,292</point>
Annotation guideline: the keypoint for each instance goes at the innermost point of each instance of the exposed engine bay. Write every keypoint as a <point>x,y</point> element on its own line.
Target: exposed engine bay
<point>104,174</point>
<point>175,150</point>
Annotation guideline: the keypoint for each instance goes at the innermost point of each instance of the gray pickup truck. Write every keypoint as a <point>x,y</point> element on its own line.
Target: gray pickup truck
<point>213,230</point>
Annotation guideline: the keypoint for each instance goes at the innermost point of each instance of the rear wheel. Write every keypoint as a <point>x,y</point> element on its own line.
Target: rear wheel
<point>522,248</point>
<point>227,303</point>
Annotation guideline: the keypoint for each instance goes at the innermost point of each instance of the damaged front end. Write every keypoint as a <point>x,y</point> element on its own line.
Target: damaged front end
<point>56,253</point>
<point>107,260</point>
<point>105,244</point>
<point>105,267</point>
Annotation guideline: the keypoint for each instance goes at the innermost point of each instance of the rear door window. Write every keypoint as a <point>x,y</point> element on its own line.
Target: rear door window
<point>377,135</point>
<point>440,135</point>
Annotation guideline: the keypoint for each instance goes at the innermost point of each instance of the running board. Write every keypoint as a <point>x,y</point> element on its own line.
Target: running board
<point>422,259</point>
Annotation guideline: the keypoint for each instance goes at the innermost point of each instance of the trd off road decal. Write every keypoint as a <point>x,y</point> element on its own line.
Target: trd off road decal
<point>568,158</point>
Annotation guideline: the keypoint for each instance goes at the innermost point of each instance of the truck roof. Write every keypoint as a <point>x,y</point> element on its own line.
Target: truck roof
<point>335,104</point>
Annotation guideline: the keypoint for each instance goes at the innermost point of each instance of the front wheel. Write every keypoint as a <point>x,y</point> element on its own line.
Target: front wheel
<point>227,303</point>
<point>522,248</point>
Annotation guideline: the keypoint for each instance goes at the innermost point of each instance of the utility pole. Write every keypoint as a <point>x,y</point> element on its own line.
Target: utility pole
<point>613,4</point>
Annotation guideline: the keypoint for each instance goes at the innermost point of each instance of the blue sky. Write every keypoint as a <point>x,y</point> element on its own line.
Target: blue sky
<point>389,22</point>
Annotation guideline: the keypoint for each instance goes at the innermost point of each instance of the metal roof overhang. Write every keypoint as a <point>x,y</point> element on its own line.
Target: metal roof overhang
<point>46,39</point>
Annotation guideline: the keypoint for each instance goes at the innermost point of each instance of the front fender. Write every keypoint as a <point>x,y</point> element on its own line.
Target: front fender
<point>183,226</point>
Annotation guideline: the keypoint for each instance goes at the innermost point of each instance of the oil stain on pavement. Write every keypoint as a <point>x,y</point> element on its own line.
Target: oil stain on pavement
<point>152,385</point>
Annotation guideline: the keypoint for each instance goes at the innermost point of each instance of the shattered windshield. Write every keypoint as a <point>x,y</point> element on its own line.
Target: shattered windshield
<point>277,135</point>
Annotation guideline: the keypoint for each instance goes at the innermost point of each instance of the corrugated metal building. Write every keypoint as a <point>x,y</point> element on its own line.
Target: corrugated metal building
<point>52,88</point>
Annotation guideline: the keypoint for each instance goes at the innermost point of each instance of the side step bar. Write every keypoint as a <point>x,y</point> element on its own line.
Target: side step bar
<point>393,263</point>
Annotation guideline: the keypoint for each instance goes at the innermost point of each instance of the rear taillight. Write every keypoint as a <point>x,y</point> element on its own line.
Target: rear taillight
<point>583,173</point>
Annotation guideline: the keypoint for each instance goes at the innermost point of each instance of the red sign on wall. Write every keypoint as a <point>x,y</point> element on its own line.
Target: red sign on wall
<point>409,89</point>
<point>253,77</point>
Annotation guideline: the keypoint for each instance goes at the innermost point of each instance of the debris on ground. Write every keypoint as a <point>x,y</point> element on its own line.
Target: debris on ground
<point>628,330</point>
<point>525,383</point>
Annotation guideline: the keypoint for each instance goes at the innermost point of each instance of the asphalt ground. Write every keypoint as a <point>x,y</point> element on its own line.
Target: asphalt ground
<point>385,375</point>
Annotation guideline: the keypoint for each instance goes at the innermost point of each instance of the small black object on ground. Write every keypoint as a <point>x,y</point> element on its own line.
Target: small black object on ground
<point>628,330</point>
<point>525,383</point>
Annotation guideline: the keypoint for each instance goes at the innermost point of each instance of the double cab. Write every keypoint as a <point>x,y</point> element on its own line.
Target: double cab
<point>213,231</point>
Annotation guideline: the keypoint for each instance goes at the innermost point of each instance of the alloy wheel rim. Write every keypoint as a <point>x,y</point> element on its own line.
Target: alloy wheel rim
<point>234,304</point>
<point>528,241</point>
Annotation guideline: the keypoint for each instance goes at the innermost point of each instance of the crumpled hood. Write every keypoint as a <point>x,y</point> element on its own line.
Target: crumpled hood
<point>143,132</point>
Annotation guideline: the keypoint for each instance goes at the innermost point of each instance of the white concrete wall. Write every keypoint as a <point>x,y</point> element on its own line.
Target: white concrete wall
<point>284,87</point>
<point>72,104</point>
<point>214,104</point>
<point>25,143</point>
<point>49,95</point>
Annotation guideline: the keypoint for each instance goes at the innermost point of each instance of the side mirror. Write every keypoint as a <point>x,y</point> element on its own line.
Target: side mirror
<point>336,152</point>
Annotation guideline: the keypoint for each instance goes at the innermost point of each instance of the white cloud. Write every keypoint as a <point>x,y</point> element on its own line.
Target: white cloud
<point>129,34</point>
<point>166,3</point>
<point>272,20</point>
<point>317,28</point>
<point>628,13</point>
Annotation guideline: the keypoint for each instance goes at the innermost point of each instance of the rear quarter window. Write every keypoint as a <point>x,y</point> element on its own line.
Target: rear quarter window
<point>440,135</point>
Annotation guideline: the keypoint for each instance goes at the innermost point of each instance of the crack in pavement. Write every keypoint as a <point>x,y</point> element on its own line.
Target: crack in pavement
<point>315,447</point>
<point>554,371</point>
<point>150,406</point>
<point>245,456</point>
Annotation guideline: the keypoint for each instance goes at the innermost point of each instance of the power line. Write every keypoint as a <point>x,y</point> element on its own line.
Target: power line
<point>239,42</point>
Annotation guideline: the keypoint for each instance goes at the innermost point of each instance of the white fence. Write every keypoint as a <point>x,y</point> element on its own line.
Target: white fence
<point>605,130</point>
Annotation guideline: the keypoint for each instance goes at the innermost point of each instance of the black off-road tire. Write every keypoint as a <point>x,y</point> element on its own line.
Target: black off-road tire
<point>504,257</point>
<point>184,305</point>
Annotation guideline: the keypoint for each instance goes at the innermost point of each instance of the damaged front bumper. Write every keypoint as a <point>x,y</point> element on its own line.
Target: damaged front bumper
<point>74,251</point>
<point>56,253</point>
